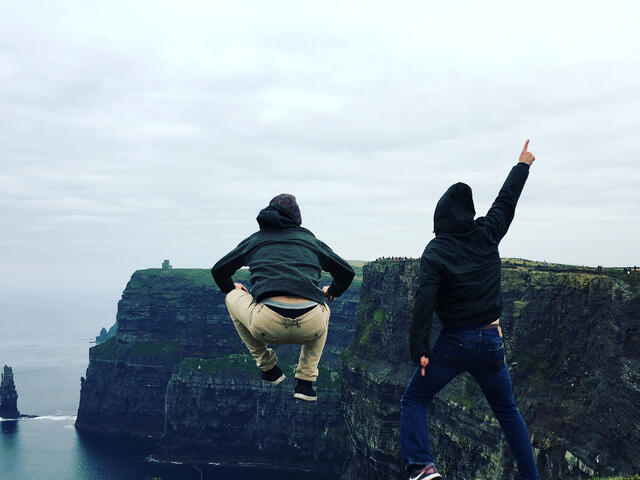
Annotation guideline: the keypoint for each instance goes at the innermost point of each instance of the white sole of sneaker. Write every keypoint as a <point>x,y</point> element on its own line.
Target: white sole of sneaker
<point>302,396</point>
<point>433,476</point>
<point>275,382</point>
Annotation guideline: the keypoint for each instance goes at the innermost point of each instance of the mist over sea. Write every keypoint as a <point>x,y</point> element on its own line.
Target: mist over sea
<point>45,337</point>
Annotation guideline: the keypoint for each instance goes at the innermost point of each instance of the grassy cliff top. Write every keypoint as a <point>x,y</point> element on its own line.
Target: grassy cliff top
<point>202,276</point>
<point>617,273</point>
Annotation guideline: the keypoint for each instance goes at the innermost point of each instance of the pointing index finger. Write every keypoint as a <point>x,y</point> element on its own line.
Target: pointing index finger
<point>526,144</point>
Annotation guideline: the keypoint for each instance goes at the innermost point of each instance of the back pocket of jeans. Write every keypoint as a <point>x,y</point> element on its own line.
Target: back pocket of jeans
<point>315,329</point>
<point>495,354</point>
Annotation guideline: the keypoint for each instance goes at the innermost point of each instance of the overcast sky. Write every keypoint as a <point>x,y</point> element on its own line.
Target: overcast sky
<point>139,131</point>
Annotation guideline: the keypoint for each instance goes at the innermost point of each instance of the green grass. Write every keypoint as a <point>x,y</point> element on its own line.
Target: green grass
<point>202,276</point>
<point>635,477</point>
<point>372,326</point>
<point>368,338</point>
<point>156,278</point>
<point>357,263</point>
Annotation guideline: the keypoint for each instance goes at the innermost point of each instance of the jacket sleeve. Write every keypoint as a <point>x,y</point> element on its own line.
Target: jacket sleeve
<point>422,318</point>
<point>224,269</point>
<point>341,272</point>
<point>501,213</point>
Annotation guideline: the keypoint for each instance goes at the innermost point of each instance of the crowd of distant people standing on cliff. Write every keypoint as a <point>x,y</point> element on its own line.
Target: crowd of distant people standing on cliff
<point>395,259</point>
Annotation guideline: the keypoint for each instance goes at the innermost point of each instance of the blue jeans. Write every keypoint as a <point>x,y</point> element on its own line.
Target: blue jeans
<point>481,353</point>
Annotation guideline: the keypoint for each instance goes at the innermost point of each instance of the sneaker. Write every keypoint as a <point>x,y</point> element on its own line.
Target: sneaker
<point>273,376</point>
<point>304,391</point>
<point>427,473</point>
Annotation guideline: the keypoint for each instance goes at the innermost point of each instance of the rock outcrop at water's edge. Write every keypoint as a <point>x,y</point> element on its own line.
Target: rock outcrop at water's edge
<point>177,372</point>
<point>572,340</point>
<point>8,395</point>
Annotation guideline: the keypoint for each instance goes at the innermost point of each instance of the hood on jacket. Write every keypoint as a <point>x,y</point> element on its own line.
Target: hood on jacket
<point>455,211</point>
<point>277,216</point>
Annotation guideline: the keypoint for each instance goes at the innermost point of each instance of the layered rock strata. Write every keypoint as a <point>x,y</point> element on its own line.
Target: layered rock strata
<point>572,341</point>
<point>177,372</point>
<point>221,410</point>
<point>166,316</point>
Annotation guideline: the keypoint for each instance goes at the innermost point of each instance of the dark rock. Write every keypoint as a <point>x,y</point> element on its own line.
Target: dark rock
<point>221,410</point>
<point>177,372</point>
<point>8,395</point>
<point>572,342</point>
<point>107,334</point>
<point>167,316</point>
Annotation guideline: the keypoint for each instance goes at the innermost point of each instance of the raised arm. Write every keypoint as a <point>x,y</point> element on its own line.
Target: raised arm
<point>422,318</point>
<point>500,215</point>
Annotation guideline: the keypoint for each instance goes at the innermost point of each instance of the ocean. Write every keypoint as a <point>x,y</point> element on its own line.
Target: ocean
<point>46,342</point>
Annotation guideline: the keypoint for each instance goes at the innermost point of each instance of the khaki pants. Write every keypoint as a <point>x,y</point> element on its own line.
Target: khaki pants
<point>258,326</point>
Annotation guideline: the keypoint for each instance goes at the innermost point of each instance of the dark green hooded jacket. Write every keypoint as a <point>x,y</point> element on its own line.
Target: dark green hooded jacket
<point>460,269</point>
<point>284,259</point>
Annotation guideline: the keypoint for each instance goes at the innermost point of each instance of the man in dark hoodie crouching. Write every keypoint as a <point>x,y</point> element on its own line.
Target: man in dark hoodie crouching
<point>286,304</point>
<point>460,275</point>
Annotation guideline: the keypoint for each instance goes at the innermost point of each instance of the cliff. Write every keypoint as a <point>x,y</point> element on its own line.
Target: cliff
<point>572,340</point>
<point>177,372</point>
<point>168,321</point>
<point>8,395</point>
<point>220,409</point>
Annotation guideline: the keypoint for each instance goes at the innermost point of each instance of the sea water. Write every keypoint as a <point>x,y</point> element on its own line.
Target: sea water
<point>47,345</point>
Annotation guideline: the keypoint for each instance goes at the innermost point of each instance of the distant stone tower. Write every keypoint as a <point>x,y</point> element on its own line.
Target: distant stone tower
<point>166,265</point>
<point>8,395</point>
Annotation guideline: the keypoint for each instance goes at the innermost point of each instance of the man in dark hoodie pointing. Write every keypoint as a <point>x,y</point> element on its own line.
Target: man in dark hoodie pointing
<point>286,304</point>
<point>460,274</point>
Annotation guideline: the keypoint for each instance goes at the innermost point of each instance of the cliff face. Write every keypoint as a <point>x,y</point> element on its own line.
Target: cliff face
<point>177,372</point>
<point>166,316</point>
<point>220,409</point>
<point>572,341</point>
<point>8,395</point>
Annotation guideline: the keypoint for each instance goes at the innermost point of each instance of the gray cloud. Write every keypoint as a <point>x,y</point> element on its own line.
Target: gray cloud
<point>135,132</point>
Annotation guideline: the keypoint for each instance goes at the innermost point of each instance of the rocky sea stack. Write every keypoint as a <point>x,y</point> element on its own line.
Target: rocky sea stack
<point>8,395</point>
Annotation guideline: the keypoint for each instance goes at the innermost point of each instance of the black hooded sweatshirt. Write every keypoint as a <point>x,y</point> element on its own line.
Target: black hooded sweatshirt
<point>284,259</point>
<point>460,269</point>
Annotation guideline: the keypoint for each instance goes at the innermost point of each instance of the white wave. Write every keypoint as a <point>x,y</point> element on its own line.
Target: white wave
<point>57,418</point>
